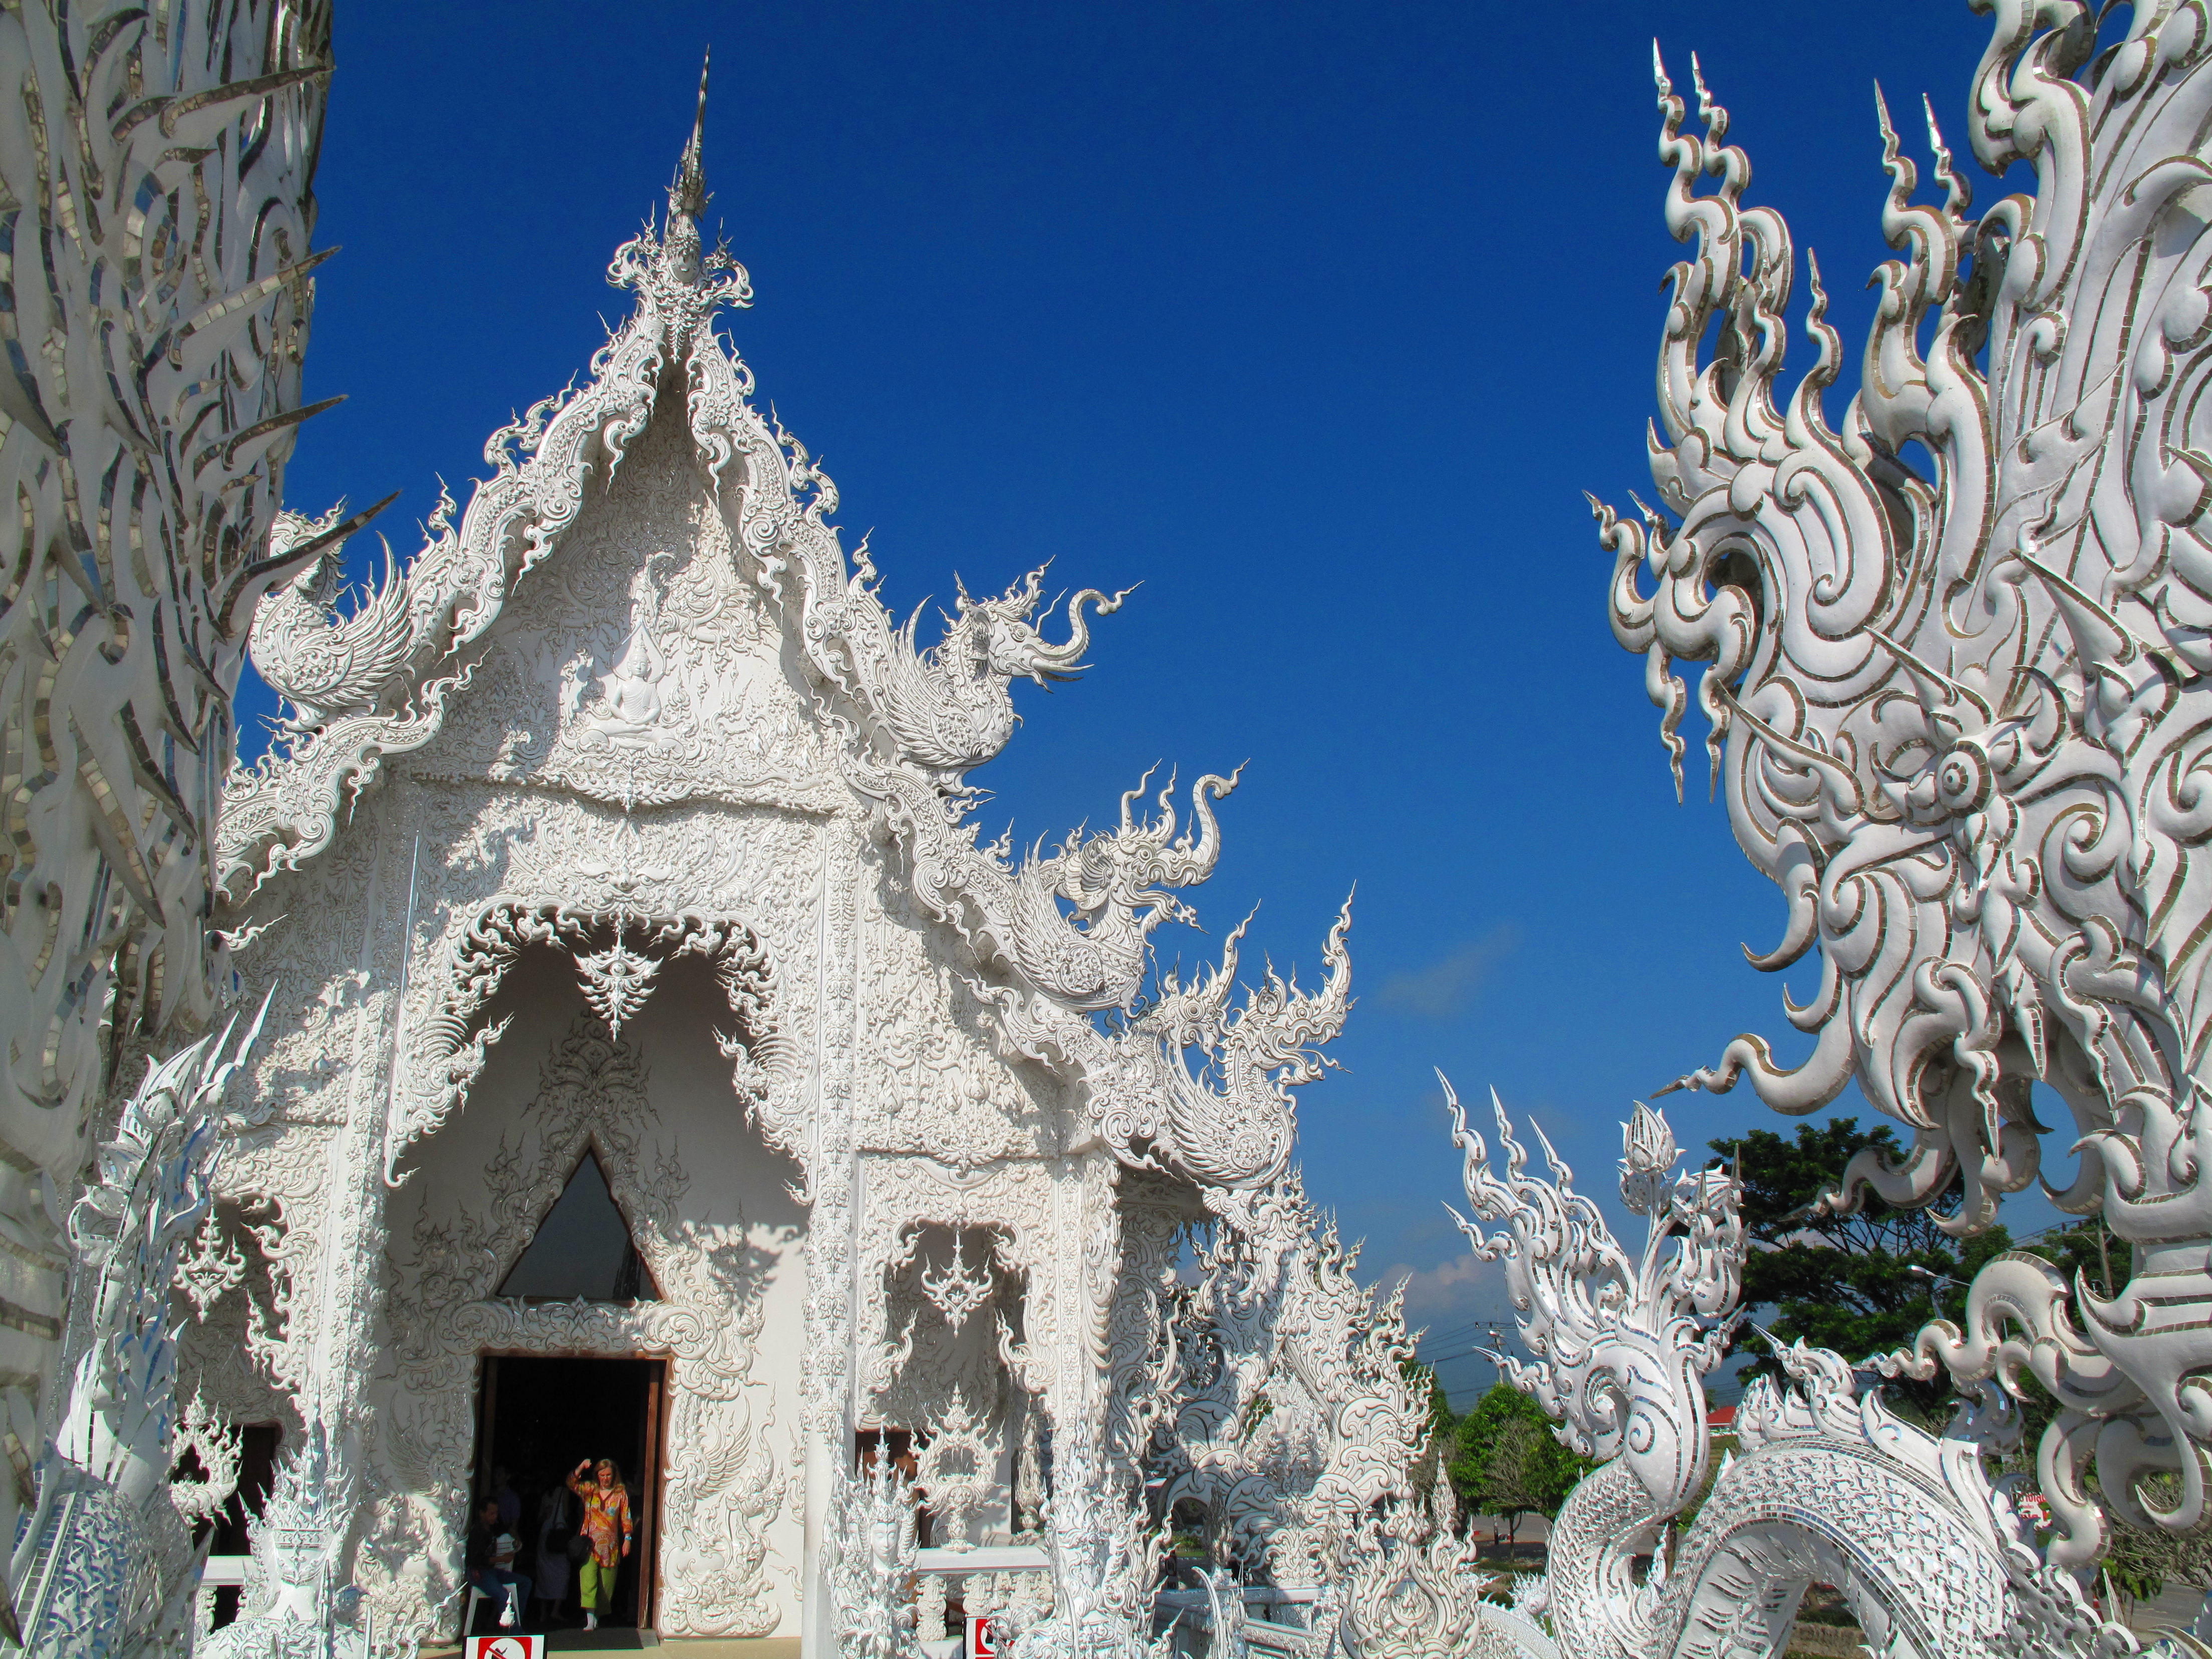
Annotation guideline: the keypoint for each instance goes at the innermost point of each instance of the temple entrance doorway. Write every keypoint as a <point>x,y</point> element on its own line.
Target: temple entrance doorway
<point>537,1419</point>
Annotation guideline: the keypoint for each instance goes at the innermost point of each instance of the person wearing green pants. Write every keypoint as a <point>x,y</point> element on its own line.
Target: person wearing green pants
<point>606,1517</point>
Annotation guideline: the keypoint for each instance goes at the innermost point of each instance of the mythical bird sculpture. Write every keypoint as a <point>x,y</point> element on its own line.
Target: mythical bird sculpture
<point>322,663</point>
<point>1959,707</point>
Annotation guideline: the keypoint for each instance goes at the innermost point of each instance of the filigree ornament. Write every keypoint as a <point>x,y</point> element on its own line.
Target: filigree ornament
<point>956,1472</point>
<point>726,1484</point>
<point>217,1447</point>
<point>214,1266</point>
<point>1416,1586</point>
<point>450,1050</point>
<point>954,1291</point>
<point>616,981</point>
<point>1060,934</point>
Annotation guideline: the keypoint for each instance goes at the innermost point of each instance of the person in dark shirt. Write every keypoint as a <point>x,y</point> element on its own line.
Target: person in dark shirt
<point>510,1502</point>
<point>489,1562</point>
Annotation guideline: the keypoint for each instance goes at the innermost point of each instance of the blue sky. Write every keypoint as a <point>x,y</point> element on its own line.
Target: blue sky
<point>1315,319</point>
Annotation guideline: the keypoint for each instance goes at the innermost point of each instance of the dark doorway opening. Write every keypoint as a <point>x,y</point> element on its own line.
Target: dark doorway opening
<point>257,1475</point>
<point>537,1418</point>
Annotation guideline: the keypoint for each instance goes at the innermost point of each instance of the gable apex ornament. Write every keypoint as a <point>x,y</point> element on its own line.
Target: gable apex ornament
<point>670,269</point>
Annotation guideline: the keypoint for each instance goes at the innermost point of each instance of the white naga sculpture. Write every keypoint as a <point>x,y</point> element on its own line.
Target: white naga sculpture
<point>103,1562</point>
<point>1959,708</point>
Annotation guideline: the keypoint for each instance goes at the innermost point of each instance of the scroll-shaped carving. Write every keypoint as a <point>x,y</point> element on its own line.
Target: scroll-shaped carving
<point>449,1050</point>
<point>214,1266</point>
<point>1625,1341</point>
<point>1959,707</point>
<point>1416,1588</point>
<point>956,1469</point>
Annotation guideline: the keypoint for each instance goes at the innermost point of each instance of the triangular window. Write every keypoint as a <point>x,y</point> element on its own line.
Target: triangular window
<point>582,1249</point>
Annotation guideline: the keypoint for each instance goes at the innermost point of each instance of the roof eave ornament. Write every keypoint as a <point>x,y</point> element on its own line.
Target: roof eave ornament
<point>678,280</point>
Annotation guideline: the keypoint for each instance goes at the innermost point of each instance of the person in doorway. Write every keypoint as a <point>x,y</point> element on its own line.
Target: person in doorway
<point>606,1516</point>
<point>510,1502</point>
<point>490,1560</point>
<point>556,1527</point>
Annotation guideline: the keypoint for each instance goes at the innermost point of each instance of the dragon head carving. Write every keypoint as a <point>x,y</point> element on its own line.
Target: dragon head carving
<point>947,706</point>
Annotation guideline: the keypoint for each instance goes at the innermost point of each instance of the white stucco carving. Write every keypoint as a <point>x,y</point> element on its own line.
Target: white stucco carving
<point>155,220</point>
<point>1956,707</point>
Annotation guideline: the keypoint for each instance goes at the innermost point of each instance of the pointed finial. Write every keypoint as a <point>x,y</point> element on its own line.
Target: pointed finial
<point>688,195</point>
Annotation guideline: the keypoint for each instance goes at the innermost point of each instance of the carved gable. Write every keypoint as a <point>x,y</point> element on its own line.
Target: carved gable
<point>636,665</point>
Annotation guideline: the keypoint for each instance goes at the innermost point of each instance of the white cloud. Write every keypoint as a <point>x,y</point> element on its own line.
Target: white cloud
<point>1457,1291</point>
<point>1444,988</point>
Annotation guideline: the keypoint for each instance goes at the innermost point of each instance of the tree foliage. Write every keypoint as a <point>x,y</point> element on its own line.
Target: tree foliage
<point>1844,1282</point>
<point>1506,1461</point>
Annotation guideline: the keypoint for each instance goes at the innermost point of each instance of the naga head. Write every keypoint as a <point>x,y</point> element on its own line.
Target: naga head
<point>1622,1343</point>
<point>993,638</point>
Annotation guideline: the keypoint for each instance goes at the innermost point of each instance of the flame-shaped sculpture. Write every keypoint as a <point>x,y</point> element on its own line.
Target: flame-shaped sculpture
<point>1961,706</point>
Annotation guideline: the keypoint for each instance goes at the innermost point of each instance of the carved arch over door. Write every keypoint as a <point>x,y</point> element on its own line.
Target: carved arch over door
<point>444,1059</point>
<point>725,1483</point>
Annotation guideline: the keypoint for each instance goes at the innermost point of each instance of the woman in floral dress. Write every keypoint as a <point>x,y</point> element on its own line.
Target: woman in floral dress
<point>606,1518</point>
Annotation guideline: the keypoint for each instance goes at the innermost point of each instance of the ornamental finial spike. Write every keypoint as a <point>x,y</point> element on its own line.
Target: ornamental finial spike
<point>688,194</point>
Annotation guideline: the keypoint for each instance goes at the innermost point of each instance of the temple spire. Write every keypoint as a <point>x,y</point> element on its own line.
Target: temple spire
<point>688,195</point>
<point>680,280</point>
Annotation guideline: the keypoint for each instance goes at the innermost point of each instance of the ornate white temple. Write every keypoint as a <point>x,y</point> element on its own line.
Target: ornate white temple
<point>595,1031</point>
<point>618,849</point>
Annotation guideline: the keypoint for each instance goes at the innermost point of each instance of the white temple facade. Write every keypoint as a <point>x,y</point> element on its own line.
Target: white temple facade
<point>616,849</point>
<point>596,1031</point>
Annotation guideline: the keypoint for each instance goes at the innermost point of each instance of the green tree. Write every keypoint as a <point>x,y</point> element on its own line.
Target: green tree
<point>1846,1282</point>
<point>1506,1461</point>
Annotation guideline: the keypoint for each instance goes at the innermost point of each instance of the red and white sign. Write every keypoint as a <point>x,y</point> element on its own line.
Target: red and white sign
<point>507,1647</point>
<point>979,1637</point>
